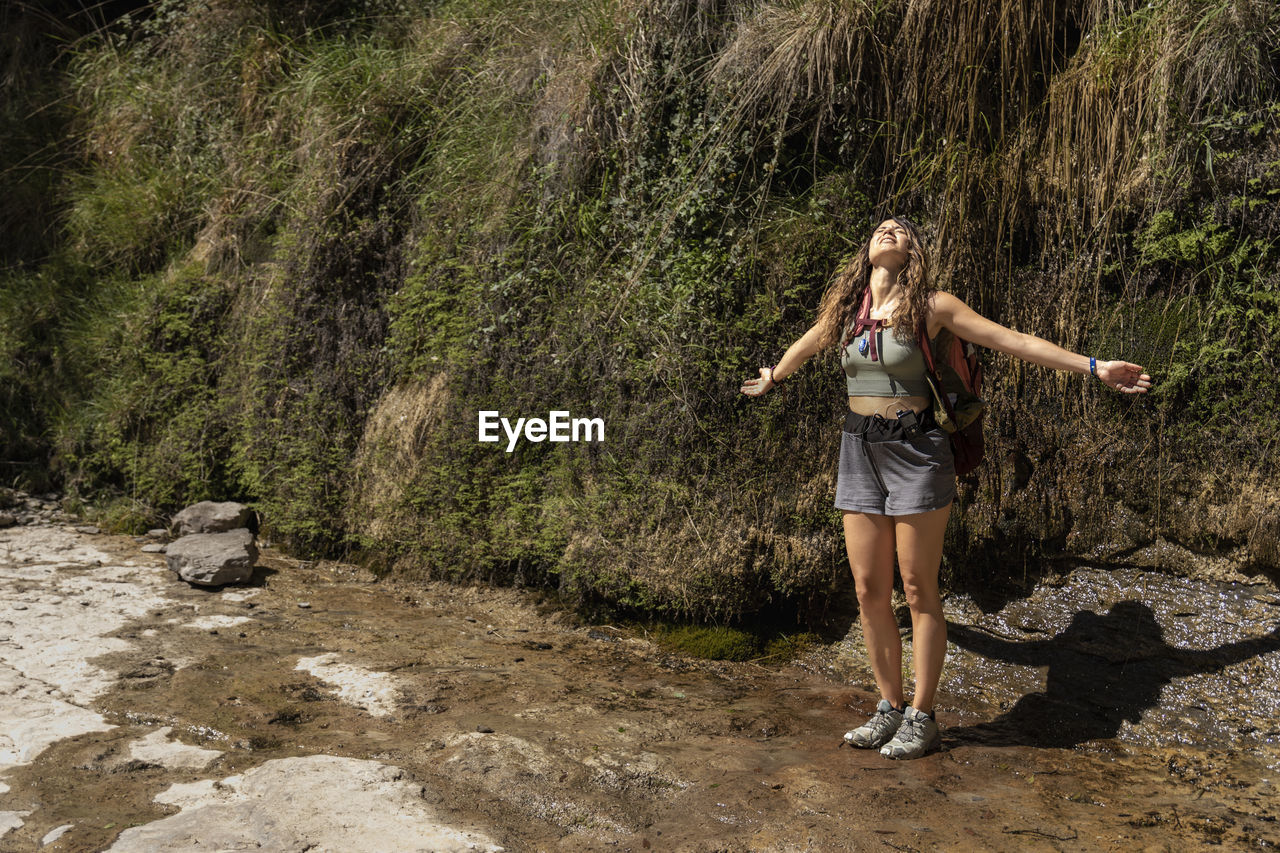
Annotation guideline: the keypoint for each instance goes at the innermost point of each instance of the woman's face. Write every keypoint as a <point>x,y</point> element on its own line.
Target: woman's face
<point>889,244</point>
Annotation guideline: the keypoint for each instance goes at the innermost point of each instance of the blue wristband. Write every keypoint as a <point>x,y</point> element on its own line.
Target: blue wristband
<point>1093,365</point>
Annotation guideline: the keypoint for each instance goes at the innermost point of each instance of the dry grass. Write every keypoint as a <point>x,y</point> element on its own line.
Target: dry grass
<point>569,128</point>
<point>798,57</point>
<point>571,125</point>
<point>1240,508</point>
<point>1137,78</point>
<point>387,457</point>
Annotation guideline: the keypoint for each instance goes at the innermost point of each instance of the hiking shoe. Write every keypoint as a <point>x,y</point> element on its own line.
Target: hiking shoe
<point>878,730</point>
<point>917,736</point>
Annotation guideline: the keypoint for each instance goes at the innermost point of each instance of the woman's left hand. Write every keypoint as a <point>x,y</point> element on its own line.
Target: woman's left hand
<point>1123,376</point>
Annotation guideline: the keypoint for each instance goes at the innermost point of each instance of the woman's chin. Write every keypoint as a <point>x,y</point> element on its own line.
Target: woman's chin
<point>887,256</point>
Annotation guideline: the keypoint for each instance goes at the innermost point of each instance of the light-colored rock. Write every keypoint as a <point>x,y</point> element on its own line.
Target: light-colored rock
<point>55,834</point>
<point>320,802</point>
<point>47,683</point>
<point>156,748</point>
<point>213,559</point>
<point>37,714</point>
<point>11,820</point>
<point>154,548</point>
<point>216,621</point>
<point>89,529</point>
<point>211,517</point>
<point>158,533</point>
<point>375,692</point>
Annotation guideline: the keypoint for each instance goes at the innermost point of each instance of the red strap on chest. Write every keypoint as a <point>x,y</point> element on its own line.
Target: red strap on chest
<point>863,322</point>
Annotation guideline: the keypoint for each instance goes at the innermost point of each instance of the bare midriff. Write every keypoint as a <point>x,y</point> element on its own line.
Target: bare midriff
<point>886,406</point>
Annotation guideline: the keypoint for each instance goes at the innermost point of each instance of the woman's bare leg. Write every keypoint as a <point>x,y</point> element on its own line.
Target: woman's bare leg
<point>919,542</point>
<point>869,541</point>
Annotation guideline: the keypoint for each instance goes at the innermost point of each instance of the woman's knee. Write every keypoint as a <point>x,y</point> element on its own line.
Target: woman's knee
<point>921,590</point>
<point>872,590</point>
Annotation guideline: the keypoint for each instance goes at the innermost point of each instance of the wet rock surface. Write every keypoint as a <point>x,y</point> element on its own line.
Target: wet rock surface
<point>1106,710</point>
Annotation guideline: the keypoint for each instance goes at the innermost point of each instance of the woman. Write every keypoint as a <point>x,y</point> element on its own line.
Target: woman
<point>896,478</point>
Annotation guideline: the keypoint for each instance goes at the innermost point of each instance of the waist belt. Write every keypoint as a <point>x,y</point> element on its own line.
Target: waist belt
<point>875,428</point>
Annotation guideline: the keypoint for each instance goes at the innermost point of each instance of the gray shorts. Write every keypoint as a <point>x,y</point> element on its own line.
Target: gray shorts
<point>885,473</point>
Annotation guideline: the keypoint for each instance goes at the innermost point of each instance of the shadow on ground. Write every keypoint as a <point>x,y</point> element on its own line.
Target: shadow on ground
<point>1103,669</point>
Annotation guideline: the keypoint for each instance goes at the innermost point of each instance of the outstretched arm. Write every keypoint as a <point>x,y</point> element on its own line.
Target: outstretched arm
<point>952,313</point>
<point>1028,652</point>
<point>1195,661</point>
<point>790,362</point>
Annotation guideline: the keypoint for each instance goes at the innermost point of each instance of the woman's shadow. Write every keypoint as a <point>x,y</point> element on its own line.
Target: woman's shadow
<point>1103,669</point>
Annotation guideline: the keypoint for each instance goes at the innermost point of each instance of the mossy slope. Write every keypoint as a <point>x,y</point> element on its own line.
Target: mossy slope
<point>299,246</point>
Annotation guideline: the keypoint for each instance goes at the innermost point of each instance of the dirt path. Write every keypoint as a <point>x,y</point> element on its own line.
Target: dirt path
<point>318,709</point>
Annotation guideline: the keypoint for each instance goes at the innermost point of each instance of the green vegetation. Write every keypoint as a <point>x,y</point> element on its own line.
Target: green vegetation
<point>712,643</point>
<point>284,252</point>
<point>722,642</point>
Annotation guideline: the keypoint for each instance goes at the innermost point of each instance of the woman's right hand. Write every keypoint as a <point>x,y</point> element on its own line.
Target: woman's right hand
<point>757,387</point>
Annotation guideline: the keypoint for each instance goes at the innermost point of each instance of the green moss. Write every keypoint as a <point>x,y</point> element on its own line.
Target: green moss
<point>711,643</point>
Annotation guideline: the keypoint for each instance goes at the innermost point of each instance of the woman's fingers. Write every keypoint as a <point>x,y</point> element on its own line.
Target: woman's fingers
<point>1126,377</point>
<point>1134,381</point>
<point>756,387</point>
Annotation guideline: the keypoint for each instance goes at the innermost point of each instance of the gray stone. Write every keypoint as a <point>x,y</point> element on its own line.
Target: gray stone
<point>89,530</point>
<point>7,520</point>
<point>210,517</point>
<point>159,533</point>
<point>213,559</point>
<point>154,548</point>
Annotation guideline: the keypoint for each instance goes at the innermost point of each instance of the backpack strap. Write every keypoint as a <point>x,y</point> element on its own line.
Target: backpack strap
<point>863,322</point>
<point>926,347</point>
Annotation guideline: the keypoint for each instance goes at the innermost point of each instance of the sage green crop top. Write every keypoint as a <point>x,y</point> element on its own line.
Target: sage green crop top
<point>898,372</point>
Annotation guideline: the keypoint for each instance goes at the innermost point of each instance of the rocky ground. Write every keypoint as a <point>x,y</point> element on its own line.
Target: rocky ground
<point>315,708</point>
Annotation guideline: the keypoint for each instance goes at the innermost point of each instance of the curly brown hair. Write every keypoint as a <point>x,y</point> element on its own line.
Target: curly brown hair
<point>843,298</point>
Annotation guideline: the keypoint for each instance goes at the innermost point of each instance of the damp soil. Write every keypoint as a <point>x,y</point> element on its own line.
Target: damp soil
<point>1104,710</point>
